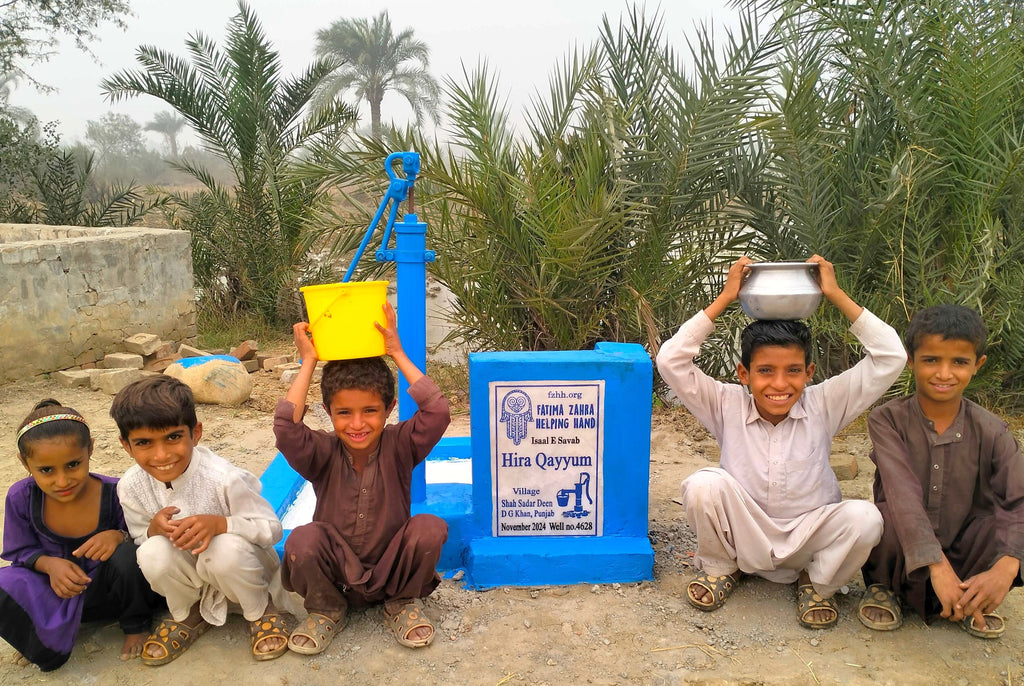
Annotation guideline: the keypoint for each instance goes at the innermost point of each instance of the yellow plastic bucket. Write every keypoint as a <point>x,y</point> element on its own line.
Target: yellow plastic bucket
<point>341,318</point>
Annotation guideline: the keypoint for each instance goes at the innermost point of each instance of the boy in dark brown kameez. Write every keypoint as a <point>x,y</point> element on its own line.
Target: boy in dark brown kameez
<point>950,487</point>
<point>362,546</point>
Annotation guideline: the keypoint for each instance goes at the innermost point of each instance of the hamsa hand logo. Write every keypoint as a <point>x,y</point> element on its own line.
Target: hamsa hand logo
<point>516,413</point>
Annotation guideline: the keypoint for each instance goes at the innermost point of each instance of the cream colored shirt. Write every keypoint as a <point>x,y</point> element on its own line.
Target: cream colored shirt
<point>210,485</point>
<point>785,467</point>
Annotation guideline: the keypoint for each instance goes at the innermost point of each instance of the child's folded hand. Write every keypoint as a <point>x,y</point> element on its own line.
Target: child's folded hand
<point>101,546</point>
<point>984,592</point>
<point>195,533</point>
<point>946,585</point>
<point>162,524</point>
<point>734,279</point>
<point>66,578</point>
<point>826,275</point>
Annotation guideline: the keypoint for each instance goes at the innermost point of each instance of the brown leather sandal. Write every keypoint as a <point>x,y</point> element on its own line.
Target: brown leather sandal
<point>720,587</point>
<point>879,597</point>
<point>809,600</point>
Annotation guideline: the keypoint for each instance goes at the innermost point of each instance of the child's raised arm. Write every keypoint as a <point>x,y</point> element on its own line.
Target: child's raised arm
<point>393,347</point>
<point>831,290</point>
<point>299,390</point>
<point>731,289</point>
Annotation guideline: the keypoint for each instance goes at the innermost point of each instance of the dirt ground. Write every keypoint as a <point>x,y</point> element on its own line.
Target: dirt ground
<point>633,633</point>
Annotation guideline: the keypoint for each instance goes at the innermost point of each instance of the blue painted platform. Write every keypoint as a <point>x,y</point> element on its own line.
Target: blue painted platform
<point>560,560</point>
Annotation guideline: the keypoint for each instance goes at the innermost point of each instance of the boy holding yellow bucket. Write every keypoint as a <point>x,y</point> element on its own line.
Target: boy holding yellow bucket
<point>362,547</point>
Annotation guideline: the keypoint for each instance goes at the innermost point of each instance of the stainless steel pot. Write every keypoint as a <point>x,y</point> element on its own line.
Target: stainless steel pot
<point>780,290</point>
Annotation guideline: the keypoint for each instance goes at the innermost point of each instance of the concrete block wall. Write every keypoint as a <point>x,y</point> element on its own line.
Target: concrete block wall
<point>69,295</point>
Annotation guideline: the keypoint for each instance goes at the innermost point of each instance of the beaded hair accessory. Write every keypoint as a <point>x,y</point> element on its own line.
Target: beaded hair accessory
<point>49,418</point>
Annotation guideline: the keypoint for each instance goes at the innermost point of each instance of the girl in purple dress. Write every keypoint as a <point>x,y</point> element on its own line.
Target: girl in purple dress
<point>64,535</point>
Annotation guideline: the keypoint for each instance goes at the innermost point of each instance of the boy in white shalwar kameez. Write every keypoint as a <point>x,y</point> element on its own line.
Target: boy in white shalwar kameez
<point>773,508</point>
<point>205,533</point>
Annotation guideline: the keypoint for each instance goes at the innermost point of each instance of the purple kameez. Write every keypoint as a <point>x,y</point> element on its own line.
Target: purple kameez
<point>33,619</point>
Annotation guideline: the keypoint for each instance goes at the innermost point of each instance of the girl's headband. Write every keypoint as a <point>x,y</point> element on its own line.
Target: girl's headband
<point>49,418</point>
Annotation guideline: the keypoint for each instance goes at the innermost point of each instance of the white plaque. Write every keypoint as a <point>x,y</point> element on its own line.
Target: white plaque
<point>546,457</point>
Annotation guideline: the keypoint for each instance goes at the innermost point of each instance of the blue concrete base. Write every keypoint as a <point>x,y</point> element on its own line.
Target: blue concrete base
<point>454,504</point>
<point>555,560</point>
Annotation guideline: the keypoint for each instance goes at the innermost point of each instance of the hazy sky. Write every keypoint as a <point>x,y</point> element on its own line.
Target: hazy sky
<point>522,40</point>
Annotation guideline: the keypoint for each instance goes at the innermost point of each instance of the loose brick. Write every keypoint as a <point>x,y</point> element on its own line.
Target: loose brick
<point>113,380</point>
<point>143,343</point>
<point>246,350</point>
<point>73,377</point>
<point>188,351</point>
<point>844,465</point>
<point>164,351</point>
<point>271,363</point>
<point>160,364</point>
<point>122,361</point>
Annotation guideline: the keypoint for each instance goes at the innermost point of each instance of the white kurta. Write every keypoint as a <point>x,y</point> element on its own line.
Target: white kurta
<point>239,567</point>
<point>773,507</point>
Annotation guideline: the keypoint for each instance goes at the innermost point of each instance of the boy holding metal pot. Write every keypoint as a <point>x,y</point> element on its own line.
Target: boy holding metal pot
<point>773,506</point>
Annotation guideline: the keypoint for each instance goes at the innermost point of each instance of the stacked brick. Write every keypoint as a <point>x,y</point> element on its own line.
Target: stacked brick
<point>146,353</point>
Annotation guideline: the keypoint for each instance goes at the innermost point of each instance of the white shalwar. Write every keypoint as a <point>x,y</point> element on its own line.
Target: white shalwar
<point>239,567</point>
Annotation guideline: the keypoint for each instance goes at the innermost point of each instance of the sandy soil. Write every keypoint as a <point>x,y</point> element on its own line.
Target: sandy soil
<point>636,633</point>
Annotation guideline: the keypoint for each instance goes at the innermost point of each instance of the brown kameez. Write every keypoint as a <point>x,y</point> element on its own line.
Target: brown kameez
<point>960,493</point>
<point>362,546</point>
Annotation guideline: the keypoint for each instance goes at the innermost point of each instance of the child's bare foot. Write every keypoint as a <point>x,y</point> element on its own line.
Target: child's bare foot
<point>19,660</point>
<point>879,609</point>
<point>132,646</point>
<point>171,639</point>
<point>878,615</point>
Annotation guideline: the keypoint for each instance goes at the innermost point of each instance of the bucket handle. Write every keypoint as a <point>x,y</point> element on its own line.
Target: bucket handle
<point>326,310</point>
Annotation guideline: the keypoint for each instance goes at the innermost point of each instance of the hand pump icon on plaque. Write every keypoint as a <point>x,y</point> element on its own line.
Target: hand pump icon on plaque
<point>582,487</point>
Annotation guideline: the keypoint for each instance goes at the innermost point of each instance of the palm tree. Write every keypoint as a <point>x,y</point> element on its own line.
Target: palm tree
<point>167,124</point>
<point>606,218</point>
<point>68,196</point>
<point>375,61</point>
<point>248,241</point>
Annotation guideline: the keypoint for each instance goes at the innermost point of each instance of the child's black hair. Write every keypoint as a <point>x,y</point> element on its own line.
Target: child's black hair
<point>55,428</point>
<point>949,321</point>
<point>783,332</point>
<point>154,402</point>
<point>364,373</point>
